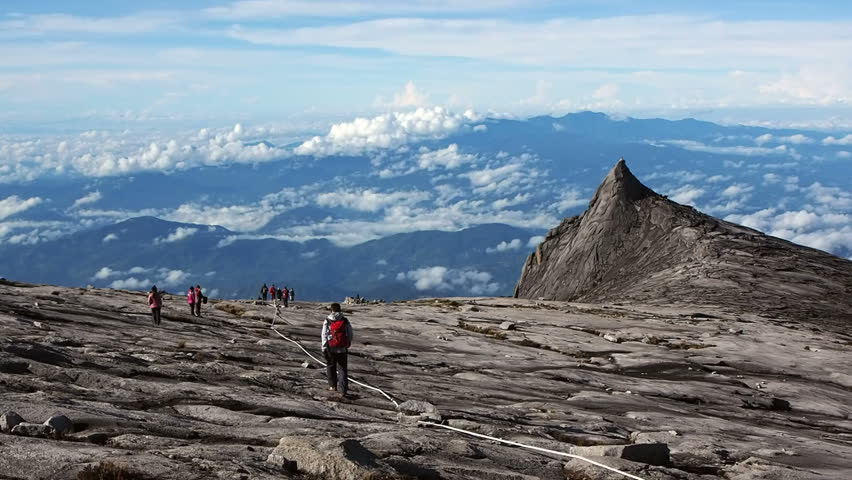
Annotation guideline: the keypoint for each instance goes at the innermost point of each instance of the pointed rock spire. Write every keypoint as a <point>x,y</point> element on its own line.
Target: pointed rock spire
<point>620,186</point>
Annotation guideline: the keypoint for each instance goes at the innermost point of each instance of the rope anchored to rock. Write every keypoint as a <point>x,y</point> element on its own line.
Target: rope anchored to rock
<point>440,425</point>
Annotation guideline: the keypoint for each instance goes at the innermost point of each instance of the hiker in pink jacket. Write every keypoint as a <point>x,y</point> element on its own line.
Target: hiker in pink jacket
<point>155,302</point>
<point>190,299</point>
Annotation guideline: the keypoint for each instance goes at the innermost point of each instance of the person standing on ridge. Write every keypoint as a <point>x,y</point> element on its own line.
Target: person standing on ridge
<point>292,294</point>
<point>198,300</point>
<point>155,303</point>
<point>190,299</point>
<point>272,293</point>
<point>285,295</point>
<point>263,292</point>
<point>336,340</point>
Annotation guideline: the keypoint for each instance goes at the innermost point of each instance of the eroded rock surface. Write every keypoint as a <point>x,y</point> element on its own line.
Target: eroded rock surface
<point>215,397</point>
<point>635,246</point>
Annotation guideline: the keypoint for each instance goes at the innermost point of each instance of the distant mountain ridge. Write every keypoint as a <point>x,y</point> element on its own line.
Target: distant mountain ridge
<point>141,248</point>
<point>634,245</point>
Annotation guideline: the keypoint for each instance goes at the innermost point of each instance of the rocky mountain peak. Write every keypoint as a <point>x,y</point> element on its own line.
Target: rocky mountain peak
<point>620,185</point>
<point>633,245</point>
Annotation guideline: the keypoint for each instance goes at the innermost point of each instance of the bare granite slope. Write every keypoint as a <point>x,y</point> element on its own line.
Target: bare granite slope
<point>661,392</point>
<point>635,246</point>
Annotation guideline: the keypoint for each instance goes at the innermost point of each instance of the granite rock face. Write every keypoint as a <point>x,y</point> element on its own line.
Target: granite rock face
<point>634,246</point>
<point>696,393</point>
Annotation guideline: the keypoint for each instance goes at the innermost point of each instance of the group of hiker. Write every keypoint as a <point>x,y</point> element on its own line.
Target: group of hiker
<point>336,334</point>
<point>283,294</point>
<point>194,297</point>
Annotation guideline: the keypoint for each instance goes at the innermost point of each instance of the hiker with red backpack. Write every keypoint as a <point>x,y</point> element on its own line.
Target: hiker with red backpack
<point>336,339</point>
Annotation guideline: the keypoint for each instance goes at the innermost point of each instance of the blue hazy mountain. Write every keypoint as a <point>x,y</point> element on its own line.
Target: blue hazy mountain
<point>139,249</point>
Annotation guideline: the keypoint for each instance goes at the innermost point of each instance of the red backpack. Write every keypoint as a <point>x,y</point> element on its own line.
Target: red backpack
<point>337,330</point>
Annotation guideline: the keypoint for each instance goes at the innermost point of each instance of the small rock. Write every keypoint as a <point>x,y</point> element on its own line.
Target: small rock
<point>441,337</point>
<point>469,308</point>
<point>735,331</point>
<point>233,340</point>
<point>343,459</point>
<point>507,326</point>
<point>8,421</point>
<point>41,326</point>
<point>60,424</point>
<point>414,407</point>
<point>611,337</point>
<point>32,430</point>
<point>307,364</point>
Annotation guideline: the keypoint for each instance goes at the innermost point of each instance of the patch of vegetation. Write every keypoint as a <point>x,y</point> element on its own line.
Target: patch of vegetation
<point>109,471</point>
<point>489,331</point>
<point>526,342</point>
<point>234,309</point>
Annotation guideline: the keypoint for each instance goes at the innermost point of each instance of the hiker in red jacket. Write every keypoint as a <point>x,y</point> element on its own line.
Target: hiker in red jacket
<point>272,292</point>
<point>336,339</point>
<point>285,295</point>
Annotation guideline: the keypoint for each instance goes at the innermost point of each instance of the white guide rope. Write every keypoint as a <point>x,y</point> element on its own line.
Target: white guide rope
<point>530,447</point>
<point>356,382</point>
<point>433,424</point>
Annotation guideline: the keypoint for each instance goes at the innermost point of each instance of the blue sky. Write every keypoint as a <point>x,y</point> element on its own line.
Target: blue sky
<point>85,64</point>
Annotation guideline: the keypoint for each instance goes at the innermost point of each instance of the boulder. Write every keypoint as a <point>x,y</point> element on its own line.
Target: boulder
<point>60,424</point>
<point>8,421</point>
<point>329,458</point>
<point>32,430</point>
<point>507,326</point>
<point>649,453</point>
<point>414,407</point>
<point>469,308</point>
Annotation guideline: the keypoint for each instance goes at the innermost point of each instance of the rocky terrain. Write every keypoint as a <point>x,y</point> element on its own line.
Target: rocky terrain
<point>633,245</point>
<point>657,392</point>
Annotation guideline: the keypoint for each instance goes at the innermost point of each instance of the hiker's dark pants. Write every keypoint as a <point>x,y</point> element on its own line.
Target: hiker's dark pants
<point>155,315</point>
<point>192,309</point>
<point>264,296</point>
<point>198,308</point>
<point>338,376</point>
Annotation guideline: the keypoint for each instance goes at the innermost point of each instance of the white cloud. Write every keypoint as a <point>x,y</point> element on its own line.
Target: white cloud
<point>515,244</point>
<point>833,197</point>
<point>386,131</point>
<point>534,241</point>
<point>381,262</point>
<point>105,154</point>
<point>797,139</point>
<point>180,233</point>
<point>131,283</point>
<point>370,200</point>
<point>174,277</point>
<point>409,97</point>
<point>847,140</point>
<point>458,281</point>
<point>311,254</point>
<point>569,199</point>
<point>518,199</point>
<point>104,273</point>
<point>736,190</point>
<point>607,91</point>
<point>448,158</point>
<point>695,146</point>
<point>11,205</point>
<point>687,194</point>
<point>109,237</point>
<point>812,85</point>
<point>90,197</point>
<point>771,178</point>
